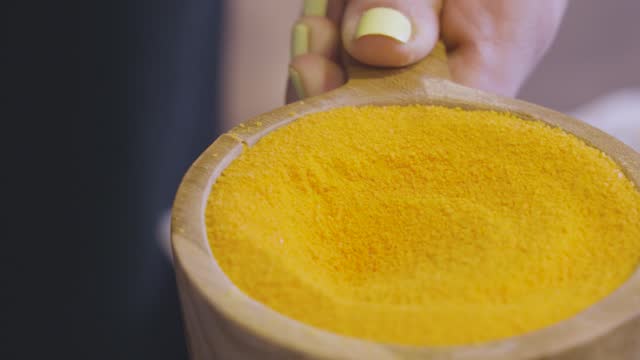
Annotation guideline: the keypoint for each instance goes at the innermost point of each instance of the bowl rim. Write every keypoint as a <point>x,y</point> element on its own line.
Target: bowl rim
<point>194,257</point>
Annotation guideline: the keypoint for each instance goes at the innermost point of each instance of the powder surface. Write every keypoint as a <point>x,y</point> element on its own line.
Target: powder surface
<point>424,225</point>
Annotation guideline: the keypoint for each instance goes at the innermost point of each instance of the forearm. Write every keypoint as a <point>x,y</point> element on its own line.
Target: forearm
<point>256,54</point>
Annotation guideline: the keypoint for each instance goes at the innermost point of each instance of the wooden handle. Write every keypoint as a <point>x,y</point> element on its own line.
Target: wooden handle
<point>433,65</point>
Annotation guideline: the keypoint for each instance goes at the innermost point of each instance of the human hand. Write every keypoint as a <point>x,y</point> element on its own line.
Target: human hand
<point>492,44</point>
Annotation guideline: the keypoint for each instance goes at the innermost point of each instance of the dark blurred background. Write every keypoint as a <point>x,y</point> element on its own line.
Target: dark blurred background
<point>115,99</point>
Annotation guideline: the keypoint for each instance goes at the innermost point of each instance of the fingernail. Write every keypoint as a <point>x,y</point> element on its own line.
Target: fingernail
<point>296,81</point>
<point>315,7</point>
<point>386,22</point>
<point>300,40</point>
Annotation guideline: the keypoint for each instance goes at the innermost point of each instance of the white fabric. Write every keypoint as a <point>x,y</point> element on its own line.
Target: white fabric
<point>617,113</point>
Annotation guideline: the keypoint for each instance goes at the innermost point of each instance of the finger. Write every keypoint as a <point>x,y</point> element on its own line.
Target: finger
<point>331,9</point>
<point>314,35</point>
<point>311,75</point>
<point>316,32</point>
<point>313,69</point>
<point>390,32</point>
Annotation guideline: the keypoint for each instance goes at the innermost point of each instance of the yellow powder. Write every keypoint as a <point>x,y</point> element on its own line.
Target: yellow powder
<point>424,225</point>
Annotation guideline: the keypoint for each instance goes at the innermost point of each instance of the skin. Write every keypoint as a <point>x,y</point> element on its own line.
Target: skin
<point>492,45</point>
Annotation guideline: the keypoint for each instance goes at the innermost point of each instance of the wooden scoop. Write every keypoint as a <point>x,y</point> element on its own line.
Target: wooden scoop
<point>221,321</point>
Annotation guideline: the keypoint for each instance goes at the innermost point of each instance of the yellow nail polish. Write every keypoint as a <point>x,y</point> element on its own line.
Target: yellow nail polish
<point>386,22</point>
<point>296,81</point>
<point>300,40</point>
<point>315,7</point>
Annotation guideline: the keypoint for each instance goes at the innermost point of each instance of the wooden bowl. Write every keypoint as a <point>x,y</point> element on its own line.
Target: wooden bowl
<point>224,323</point>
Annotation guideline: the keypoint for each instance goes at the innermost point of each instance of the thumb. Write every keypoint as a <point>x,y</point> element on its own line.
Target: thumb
<point>390,32</point>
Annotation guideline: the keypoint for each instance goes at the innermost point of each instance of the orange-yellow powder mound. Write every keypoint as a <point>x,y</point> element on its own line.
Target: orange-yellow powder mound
<point>424,225</point>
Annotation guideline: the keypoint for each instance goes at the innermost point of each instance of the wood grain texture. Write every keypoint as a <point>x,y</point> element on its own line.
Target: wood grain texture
<point>224,323</point>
